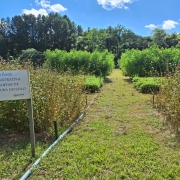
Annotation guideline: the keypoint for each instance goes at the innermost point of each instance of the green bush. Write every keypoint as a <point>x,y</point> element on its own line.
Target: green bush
<point>149,62</point>
<point>35,57</point>
<point>168,98</point>
<point>146,85</point>
<point>96,63</point>
<point>93,83</point>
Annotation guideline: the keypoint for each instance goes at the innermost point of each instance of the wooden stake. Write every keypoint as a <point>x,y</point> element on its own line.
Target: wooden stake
<point>31,125</point>
<point>55,129</point>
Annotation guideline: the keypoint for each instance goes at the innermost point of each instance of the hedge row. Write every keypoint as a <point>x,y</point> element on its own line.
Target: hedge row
<point>168,99</point>
<point>55,97</point>
<point>146,85</point>
<point>149,62</point>
<point>93,83</point>
<point>96,63</point>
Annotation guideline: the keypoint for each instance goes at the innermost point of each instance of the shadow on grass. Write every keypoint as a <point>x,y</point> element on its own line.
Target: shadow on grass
<point>107,80</point>
<point>11,141</point>
<point>129,80</point>
<point>177,138</point>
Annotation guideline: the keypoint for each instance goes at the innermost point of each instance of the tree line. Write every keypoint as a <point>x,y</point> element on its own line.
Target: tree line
<point>59,32</point>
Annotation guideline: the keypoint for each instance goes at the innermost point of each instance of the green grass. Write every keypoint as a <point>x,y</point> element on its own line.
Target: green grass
<point>120,137</point>
<point>16,158</point>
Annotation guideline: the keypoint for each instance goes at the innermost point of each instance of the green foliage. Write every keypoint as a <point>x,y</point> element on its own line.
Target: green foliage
<point>39,32</point>
<point>93,83</point>
<point>149,61</point>
<point>55,97</point>
<point>146,85</point>
<point>35,57</point>
<point>96,63</point>
<point>168,99</point>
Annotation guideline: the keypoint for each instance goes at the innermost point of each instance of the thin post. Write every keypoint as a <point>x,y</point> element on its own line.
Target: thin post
<point>31,125</point>
<point>153,100</point>
<point>86,100</point>
<point>55,130</point>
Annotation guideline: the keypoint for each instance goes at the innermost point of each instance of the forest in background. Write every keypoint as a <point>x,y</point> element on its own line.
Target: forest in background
<point>54,31</point>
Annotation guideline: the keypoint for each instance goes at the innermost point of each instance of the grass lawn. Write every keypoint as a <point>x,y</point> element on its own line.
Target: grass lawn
<point>120,137</point>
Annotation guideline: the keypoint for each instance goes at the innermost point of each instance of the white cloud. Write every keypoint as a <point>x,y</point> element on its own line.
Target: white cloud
<point>169,24</point>
<point>151,26</point>
<point>125,7</point>
<point>57,8</point>
<point>43,3</point>
<point>45,7</point>
<point>35,12</point>
<point>112,4</point>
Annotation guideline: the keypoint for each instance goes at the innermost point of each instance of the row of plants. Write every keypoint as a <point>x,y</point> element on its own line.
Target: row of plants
<point>168,99</point>
<point>156,71</point>
<point>146,85</point>
<point>93,83</point>
<point>96,63</point>
<point>56,96</point>
<point>149,62</point>
<point>167,95</point>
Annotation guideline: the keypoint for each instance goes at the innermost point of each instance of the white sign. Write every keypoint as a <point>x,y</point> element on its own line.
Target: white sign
<point>14,85</point>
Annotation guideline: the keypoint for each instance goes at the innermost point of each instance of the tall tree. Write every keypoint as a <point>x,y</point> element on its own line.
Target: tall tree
<point>158,37</point>
<point>79,30</point>
<point>4,37</point>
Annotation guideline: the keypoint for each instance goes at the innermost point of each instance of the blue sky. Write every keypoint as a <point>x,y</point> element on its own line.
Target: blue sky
<point>140,16</point>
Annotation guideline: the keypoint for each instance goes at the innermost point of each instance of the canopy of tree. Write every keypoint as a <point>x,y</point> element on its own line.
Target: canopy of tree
<point>35,57</point>
<point>59,32</point>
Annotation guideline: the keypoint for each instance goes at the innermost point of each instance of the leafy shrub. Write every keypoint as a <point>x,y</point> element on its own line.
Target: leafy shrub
<point>35,57</point>
<point>150,61</point>
<point>146,85</point>
<point>93,83</point>
<point>96,63</point>
<point>168,98</point>
<point>55,97</point>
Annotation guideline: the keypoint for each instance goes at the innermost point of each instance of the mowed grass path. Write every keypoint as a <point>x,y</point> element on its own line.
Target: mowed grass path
<point>120,137</point>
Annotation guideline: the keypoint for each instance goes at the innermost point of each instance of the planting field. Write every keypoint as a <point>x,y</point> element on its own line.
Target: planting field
<point>120,137</point>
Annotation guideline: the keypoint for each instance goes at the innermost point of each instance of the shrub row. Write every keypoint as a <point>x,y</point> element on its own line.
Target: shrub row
<point>96,63</point>
<point>93,83</point>
<point>148,62</point>
<point>55,97</point>
<point>168,98</point>
<point>146,85</point>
